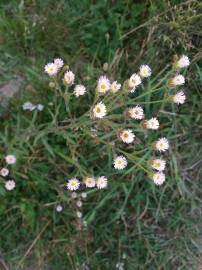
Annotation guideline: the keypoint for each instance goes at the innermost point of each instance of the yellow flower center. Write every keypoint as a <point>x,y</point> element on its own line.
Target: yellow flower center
<point>98,110</point>
<point>103,86</point>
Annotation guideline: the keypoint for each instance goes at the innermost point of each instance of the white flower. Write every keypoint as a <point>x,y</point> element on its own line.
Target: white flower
<point>89,182</point>
<point>162,145</point>
<point>153,123</point>
<point>69,78</point>
<point>127,136</point>
<point>145,71</point>
<point>115,87</point>
<point>59,208</point>
<point>4,172</point>
<point>28,106</point>
<point>79,203</point>
<point>158,178</point>
<point>183,62</point>
<point>79,214</point>
<point>10,184</point>
<point>59,62</point>
<point>134,81</point>
<point>10,159</point>
<point>136,112</point>
<point>101,182</point>
<point>120,162</point>
<point>177,80</point>
<point>158,164</point>
<point>179,98</point>
<point>73,184</point>
<point>51,69</point>
<point>39,107</point>
<point>84,195</point>
<point>99,111</point>
<point>79,90</point>
<point>74,195</point>
<point>103,84</point>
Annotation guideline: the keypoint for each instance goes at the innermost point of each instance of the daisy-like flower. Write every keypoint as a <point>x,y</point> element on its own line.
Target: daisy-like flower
<point>120,162</point>
<point>40,107</point>
<point>177,80</point>
<point>84,195</point>
<point>59,62</point>
<point>10,185</point>
<point>115,87</point>
<point>183,62</point>
<point>59,208</point>
<point>79,203</point>
<point>153,123</point>
<point>79,214</point>
<point>162,145</point>
<point>145,71</point>
<point>74,195</point>
<point>73,184</point>
<point>10,159</point>
<point>158,178</point>
<point>51,69</point>
<point>158,164</point>
<point>4,172</point>
<point>69,78</point>
<point>101,182</point>
<point>103,84</point>
<point>99,111</point>
<point>79,90</point>
<point>127,136</point>
<point>134,81</point>
<point>136,112</point>
<point>90,182</point>
<point>28,106</point>
<point>179,98</point>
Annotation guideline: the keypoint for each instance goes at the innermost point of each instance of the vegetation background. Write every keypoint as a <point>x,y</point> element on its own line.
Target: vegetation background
<point>131,223</point>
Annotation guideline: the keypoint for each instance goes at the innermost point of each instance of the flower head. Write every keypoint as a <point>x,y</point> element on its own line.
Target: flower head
<point>4,172</point>
<point>134,81</point>
<point>179,98</point>
<point>79,90</point>
<point>103,84</point>
<point>10,159</point>
<point>69,78</point>
<point>158,178</point>
<point>10,184</point>
<point>40,107</point>
<point>99,111</point>
<point>115,87</point>
<point>127,136</point>
<point>162,145</point>
<point>177,80</point>
<point>79,214</point>
<point>59,208</point>
<point>101,182</point>
<point>183,62</point>
<point>158,164</point>
<point>28,106</point>
<point>145,71</point>
<point>73,184</point>
<point>51,69</point>
<point>136,112</point>
<point>90,182</point>
<point>59,62</point>
<point>153,123</point>
<point>120,162</point>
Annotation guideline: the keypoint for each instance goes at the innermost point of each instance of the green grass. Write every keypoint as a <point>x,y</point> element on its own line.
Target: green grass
<point>132,221</point>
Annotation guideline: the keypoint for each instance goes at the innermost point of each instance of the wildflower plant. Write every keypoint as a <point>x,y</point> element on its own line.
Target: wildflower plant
<point>106,131</point>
